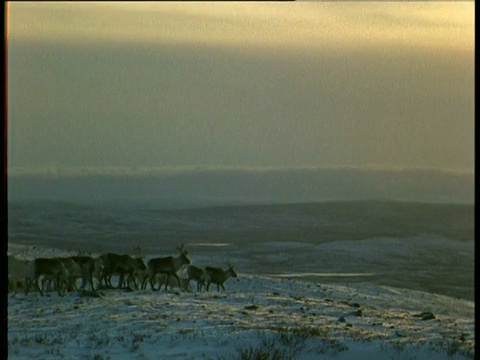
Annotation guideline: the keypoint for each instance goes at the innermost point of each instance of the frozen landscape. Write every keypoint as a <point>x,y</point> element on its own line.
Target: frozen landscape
<point>257,315</point>
<point>314,282</point>
<point>322,150</point>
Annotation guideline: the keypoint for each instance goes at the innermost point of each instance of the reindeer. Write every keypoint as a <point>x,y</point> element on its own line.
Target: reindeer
<point>162,279</point>
<point>74,271</point>
<point>77,267</point>
<point>50,268</point>
<point>167,265</point>
<point>120,264</point>
<point>219,276</point>
<point>89,267</point>
<point>197,274</point>
<point>20,273</point>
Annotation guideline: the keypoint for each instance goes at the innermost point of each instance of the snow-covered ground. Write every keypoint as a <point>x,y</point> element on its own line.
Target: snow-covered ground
<point>279,316</point>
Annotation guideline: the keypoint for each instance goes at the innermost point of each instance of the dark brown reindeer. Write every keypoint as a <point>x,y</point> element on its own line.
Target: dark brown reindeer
<point>162,279</point>
<point>219,276</point>
<point>89,266</point>
<point>124,265</point>
<point>53,268</point>
<point>166,265</point>
<point>20,273</point>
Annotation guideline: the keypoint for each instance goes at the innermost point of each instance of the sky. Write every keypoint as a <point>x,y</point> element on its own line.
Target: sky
<point>309,84</point>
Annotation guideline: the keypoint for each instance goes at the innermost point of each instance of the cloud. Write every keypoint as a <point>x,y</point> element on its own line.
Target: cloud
<point>171,105</point>
<point>249,25</point>
<point>130,84</point>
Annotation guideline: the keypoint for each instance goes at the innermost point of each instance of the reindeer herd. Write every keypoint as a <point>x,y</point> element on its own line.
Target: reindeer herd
<point>63,273</point>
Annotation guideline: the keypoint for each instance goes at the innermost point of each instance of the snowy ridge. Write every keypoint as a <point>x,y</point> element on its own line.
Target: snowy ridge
<point>294,319</point>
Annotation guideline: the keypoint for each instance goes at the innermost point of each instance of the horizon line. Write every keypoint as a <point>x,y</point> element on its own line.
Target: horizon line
<point>57,171</point>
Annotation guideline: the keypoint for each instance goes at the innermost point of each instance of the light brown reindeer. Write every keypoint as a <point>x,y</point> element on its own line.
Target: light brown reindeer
<point>166,265</point>
<point>219,276</point>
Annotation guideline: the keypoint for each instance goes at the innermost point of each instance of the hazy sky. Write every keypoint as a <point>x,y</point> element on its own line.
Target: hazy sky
<point>241,84</point>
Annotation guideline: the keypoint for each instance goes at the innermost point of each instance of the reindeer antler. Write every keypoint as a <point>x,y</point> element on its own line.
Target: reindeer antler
<point>136,250</point>
<point>181,249</point>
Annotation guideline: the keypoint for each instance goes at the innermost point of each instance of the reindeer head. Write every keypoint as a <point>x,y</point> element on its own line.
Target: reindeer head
<point>184,255</point>
<point>136,251</point>
<point>231,270</point>
<point>182,250</point>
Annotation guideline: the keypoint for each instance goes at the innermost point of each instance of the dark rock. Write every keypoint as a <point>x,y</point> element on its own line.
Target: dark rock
<point>359,312</point>
<point>251,307</point>
<point>341,319</point>
<point>428,316</point>
<point>97,294</point>
<point>425,315</point>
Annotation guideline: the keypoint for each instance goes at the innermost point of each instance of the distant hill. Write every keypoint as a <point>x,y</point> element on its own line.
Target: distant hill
<point>205,186</point>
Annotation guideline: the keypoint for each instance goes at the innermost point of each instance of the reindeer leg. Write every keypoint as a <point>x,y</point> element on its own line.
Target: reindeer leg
<point>166,282</point>
<point>151,283</point>
<point>38,286</point>
<point>178,281</point>
<point>90,280</point>
<point>29,285</point>
<point>120,281</point>
<point>60,285</point>
<point>130,279</point>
